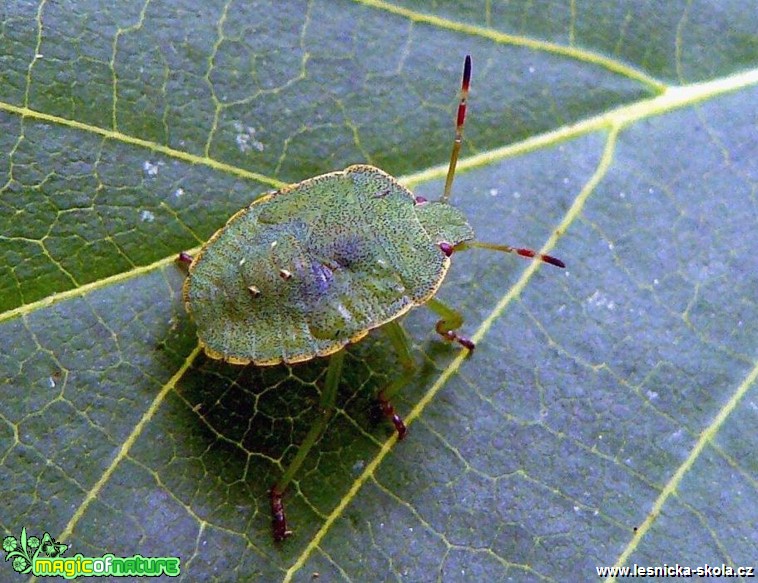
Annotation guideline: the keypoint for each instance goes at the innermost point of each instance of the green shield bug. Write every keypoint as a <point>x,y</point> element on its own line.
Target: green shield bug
<point>311,268</point>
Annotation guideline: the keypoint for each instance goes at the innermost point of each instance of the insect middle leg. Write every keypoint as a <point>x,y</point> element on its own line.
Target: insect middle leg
<point>326,404</point>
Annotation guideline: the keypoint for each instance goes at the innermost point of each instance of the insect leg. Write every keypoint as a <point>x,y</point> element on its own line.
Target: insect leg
<point>450,322</point>
<point>326,404</point>
<point>402,346</point>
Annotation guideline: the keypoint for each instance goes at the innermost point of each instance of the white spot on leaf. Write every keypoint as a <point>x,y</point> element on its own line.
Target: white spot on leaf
<point>245,138</point>
<point>150,168</point>
<point>147,216</point>
<point>601,300</point>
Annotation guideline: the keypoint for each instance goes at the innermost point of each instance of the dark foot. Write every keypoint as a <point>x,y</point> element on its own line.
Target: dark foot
<point>185,257</point>
<point>454,337</point>
<point>387,410</point>
<point>278,520</point>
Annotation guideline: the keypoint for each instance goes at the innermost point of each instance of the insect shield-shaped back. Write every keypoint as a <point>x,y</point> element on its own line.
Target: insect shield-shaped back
<point>304,271</point>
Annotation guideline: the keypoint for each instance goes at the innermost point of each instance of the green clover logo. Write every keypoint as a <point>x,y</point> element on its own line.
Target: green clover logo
<point>22,551</point>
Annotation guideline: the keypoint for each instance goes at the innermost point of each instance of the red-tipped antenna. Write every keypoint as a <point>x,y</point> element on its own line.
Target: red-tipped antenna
<point>447,248</point>
<point>460,120</point>
<point>522,251</point>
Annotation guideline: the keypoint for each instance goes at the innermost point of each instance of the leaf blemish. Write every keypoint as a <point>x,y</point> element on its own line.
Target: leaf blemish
<point>601,300</point>
<point>245,138</point>
<point>150,169</point>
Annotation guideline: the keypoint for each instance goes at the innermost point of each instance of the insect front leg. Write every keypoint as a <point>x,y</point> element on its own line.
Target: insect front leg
<point>450,322</point>
<point>326,404</point>
<point>402,346</point>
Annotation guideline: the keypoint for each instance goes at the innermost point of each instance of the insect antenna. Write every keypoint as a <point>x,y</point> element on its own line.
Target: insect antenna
<point>461,118</point>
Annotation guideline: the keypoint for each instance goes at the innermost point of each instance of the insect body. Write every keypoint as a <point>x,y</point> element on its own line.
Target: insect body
<point>305,271</point>
<point>317,265</point>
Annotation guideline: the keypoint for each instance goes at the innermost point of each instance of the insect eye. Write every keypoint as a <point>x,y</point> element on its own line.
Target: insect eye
<point>446,248</point>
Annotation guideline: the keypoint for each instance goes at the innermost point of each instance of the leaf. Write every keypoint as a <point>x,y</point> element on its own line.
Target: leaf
<point>607,416</point>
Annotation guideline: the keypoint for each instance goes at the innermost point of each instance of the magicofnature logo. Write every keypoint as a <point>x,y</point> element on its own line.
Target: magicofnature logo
<point>42,557</point>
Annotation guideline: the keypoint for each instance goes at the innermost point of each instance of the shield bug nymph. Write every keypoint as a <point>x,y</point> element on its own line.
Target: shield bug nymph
<point>305,271</point>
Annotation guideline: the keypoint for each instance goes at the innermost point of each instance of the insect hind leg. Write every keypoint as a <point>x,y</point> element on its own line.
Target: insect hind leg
<point>326,404</point>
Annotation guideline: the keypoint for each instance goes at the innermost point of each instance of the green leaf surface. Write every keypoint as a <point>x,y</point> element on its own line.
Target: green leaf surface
<point>608,414</point>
